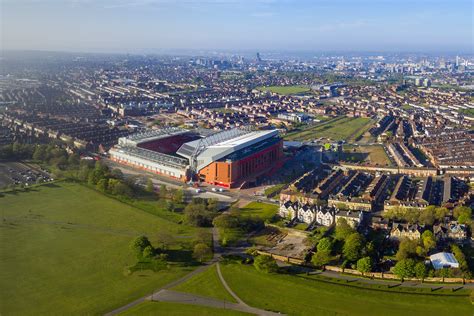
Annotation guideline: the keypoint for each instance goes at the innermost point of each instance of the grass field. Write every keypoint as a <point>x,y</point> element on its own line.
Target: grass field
<point>65,248</point>
<point>176,309</point>
<point>263,210</point>
<point>297,296</point>
<point>206,283</point>
<point>340,128</point>
<point>285,90</point>
<point>375,154</point>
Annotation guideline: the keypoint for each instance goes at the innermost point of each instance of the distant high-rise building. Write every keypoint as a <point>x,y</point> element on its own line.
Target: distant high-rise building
<point>259,59</point>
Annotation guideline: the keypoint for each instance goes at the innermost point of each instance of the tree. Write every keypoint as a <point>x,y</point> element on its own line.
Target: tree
<point>212,205</point>
<point>343,229</point>
<point>197,214</point>
<point>122,189</point>
<point>421,271</point>
<point>148,252</point>
<point>40,153</point>
<point>460,257</point>
<point>321,258</point>
<point>116,173</point>
<point>427,216</point>
<point>164,239</point>
<point>265,264</point>
<point>428,239</point>
<point>73,160</point>
<point>149,187</point>
<point>178,196</point>
<point>102,185</point>
<point>364,264</point>
<point>325,244</point>
<point>201,251</point>
<point>441,213</point>
<point>353,246</point>
<point>463,214</point>
<point>170,206</point>
<point>405,268</point>
<point>83,173</point>
<point>163,192</point>
<point>139,244</point>
<point>406,249</point>
<point>226,221</point>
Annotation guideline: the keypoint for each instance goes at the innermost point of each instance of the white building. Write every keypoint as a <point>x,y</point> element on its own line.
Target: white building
<point>442,260</point>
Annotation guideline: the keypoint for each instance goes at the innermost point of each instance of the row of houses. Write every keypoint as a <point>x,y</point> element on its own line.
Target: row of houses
<point>452,231</point>
<point>318,214</point>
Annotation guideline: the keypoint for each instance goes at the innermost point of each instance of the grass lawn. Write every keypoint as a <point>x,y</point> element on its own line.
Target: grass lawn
<point>263,210</point>
<point>339,128</point>
<point>65,249</point>
<point>297,296</point>
<point>274,190</point>
<point>285,90</point>
<point>206,283</point>
<point>301,226</point>
<point>375,154</point>
<point>177,309</point>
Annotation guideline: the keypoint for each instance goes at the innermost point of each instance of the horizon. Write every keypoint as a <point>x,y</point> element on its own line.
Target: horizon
<point>157,26</point>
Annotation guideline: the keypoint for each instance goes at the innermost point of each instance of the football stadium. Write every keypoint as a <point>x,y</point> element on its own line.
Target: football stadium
<point>231,158</point>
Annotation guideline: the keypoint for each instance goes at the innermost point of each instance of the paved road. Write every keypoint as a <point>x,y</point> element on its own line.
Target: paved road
<point>227,287</point>
<point>228,196</point>
<point>163,294</point>
<point>186,298</point>
<point>169,285</point>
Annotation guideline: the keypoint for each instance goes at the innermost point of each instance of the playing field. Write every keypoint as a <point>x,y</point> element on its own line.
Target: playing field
<point>65,248</point>
<point>293,295</point>
<point>285,90</point>
<point>340,128</point>
<point>374,154</point>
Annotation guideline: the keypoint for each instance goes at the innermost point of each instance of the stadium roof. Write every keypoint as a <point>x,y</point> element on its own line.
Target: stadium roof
<point>444,259</point>
<point>153,156</point>
<point>150,135</point>
<point>219,145</point>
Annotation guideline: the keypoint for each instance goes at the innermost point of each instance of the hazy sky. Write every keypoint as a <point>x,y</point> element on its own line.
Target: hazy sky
<point>318,25</point>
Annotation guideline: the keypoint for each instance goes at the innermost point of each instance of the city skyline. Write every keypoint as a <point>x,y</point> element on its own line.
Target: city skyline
<point>150,26</point>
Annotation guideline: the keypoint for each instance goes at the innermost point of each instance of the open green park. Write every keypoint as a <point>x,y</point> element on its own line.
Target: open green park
<point>296,295</point>
<point>285,90</point>
<point>301,294</point>
<point>339,128</point>
<point>65,249</point>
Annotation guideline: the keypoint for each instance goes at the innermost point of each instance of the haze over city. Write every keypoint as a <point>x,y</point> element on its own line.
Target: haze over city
<point>154,26</point>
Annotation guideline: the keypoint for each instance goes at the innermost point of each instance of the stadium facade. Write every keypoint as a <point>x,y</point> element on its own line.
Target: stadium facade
<point>228,158</point>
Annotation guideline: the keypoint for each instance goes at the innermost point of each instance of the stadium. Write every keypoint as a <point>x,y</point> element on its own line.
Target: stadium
<point>231,158</point>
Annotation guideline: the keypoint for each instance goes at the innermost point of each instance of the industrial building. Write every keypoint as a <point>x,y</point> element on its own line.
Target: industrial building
<point>228,158</point>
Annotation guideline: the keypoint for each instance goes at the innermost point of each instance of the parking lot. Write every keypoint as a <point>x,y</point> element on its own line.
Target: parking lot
<point>19,173</point>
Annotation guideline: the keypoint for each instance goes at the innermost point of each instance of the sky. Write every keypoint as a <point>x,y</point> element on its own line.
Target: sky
<point>134,26</point>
